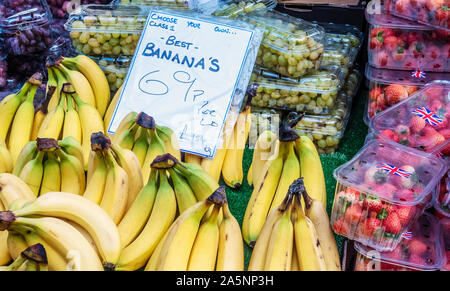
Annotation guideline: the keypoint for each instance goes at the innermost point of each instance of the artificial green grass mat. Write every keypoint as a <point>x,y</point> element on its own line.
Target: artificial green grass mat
<point>350,144</point>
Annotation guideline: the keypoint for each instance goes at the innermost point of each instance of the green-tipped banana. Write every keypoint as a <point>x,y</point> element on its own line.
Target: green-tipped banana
<point>200,181</point>
<point>32,173</point>
<point>73,178</point>
<point>72,147</point>
<point>183,192</point>
<point>141,145</point>
<point>51,181</point>
<point>170,141</point>
<point>28,153</point>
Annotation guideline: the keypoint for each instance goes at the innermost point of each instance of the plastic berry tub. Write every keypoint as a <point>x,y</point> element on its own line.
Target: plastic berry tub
<point>231,9</point>
<point>327,130</point>
<point>442,196</point>
<point>445,228</point>
<point>314,93</point>
<point>433,13</point>
<point>25,26</point>
<point>382,191</point>
<point>399,44</point>
<point>115,69</point>
<point>98,30</point>
<point>421,249</point>
<point>389,87</point>
<point>420,121</point>
<point>291,46</point>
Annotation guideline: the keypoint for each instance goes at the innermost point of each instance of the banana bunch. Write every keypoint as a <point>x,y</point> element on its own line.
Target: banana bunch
<point>228,159</point>
<point>70,116</point>
<point>33,258</point>
<point>17,116</point>
<point>6,162</point>
<point>48,165</point>
<point>288,240</point>
<point>76,233</point>
<point>147,140</point>
<point>198,240</point>
<point>114,176</point>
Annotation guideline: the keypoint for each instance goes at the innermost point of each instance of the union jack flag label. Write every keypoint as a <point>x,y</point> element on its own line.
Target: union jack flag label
<point>418,74</point>
<point>394,170</point>
<point>429,116</point>
<point>407,235</point>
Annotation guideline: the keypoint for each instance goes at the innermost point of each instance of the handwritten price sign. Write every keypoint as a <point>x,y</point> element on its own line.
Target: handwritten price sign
<point>185,73</point>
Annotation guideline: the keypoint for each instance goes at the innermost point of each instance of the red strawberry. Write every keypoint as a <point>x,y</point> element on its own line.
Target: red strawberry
<point>445,133</point>
<point>388,133</point>
<point>417,49</point>
<point>442,15</point>
<point>416,260</point>
<point>417,247</point>
<point>413,36</point>
<point>432,53</point>
<point>381,32</point>
<point>373,94</point>
<point>381,102</point>
<point>381,58</point>
<point>370,226</point>
<point>375,43</point>
<point>430,141</point>
<point>372,204</point>
<point>353,214</point>
<point>341,227</point>
<point>428,130</point>
<point>402,129</point>
<point>410,89</point>
<point>391,42</point>
<point>400,6</point>
<point>405,213</point>
<point>392,223</point>
<point>395,93</point>
<point>410,63</point>
<point>416,124</point>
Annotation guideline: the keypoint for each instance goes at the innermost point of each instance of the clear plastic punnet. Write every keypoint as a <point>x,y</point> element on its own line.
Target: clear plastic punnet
<point>420,121</point>
<point>445,227</point>
<point>389,87</point>
<point>382,191</point>
<point>115,69</point>
<point>421,249</point>
<point>433,13</point>
<point>291,46</point>
<point>399,44</point>
<point>25,26</point>
<point>233,8</point>
<point>98,30</point>
<point>314,93</point>
<point>442,196</point>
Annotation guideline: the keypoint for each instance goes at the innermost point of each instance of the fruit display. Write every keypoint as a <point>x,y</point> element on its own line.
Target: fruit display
<point>389,87</point>
<point>115,69</point>
<point>431,12</point>
<point>399,44</point>
<point>445,228</point>
<point>326,130</point>
<point>421,249</point>
<point>98,30</point>
<point>292,239</point>
<point>420,121</point>
<point>33,258</point>
<point>231,9</point>
<point>25,26</point>
<point>291,46</point>
<point>314,93</point>
<point>139,133</point>
<point>61,8</point>
<point>442,196</point>
<point>382,191</point>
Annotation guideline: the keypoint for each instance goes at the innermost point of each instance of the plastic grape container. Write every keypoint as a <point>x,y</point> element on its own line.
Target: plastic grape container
<point>174,4</point>
<point>420,121</point>
<point>445,226</point>
<point>327,130</point>
<point>442,196</point>
<point>233,8</point>
<point>433,13</point>
<point>421,249</point>
<point>98,30</point>
<point>388,87</point>
<point>25,26</point>
<point>115,69</point>
<point>399,44</point>
<point>382,191</point>
<point>314,93</point>
<point>291,46</point>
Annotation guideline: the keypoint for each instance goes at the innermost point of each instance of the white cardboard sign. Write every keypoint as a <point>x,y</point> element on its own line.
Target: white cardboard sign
<point>184,74</point>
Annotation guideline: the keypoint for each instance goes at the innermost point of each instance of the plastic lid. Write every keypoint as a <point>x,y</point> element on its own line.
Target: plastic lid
<point>234,7</point>
<point>108,19</point>
<point>422,118</point>
<point>386,76</point>
<point>24,16</point>
<point>342,33</point>
<point>410,175</point>
<point>286,33</point>
<point>421,248</point>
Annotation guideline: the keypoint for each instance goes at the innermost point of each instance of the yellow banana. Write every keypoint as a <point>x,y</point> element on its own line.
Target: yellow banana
<point>79,82</point>
<point>137,215</point>
<point>137,253</point>
<point>311,169</point>
<point>83,212</point>
<point>33,172</point>
<point>53,90</point>
<point>13,188</point>
<point>72,123</point>
<point>111,108</point>
<point>230,255</point>
<point>204,251</point>
<point>73,179</point>
<point>6,162</point>
<point>114,200</point>
<point>141,145</point>
<point>96,78</point>
<point>213,166</point>
<point>183,192</point>
<point>51,180</point>
<point>28,153</point>
<point>155,148</point>
<point>53,122</point>
<point>8,109</point>
<point>294,263</point>
<point>192,159</point>
<point>266,148</point>
<point>200,181</point>
<point>16,244</point>
<point>39,116</point>
<point>126,124</point>
<point>170,141</point>
<point>5,257</point>
<point>232,169</point>
<point>96,182</point>
<point>72,147</point>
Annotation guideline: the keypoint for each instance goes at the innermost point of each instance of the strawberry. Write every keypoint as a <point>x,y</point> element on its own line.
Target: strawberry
<point>417,247</point>
<point>432,53</point>
<point>375,43</point>
<point>410,89</point>
<point>353,214</point>
<point>392,223</point>
<point>402,129</point>
<point>445,133</point>
<point>412,37</point>
<point>399,53</point>
<point>428,130</point>
<point>395,93</point>
<point>372,204</point>
<point>391,42</point>
<point>388,133</point>
<point>373,94</point>
<point>416,124</point>
<point>341,227</point>
<point>381,58</point>
<point>410,63</point>
<point>381,32</point>
<point>400,6</point>
<point>370,226</point>
<point>417,49</point>
<point>381,101</point>
<point>416,260</point>
<point>405,213</point>
<point>430,141</point>
<point>442,15</point>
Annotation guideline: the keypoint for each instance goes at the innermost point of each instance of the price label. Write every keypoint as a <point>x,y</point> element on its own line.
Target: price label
<point>185,73</point>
